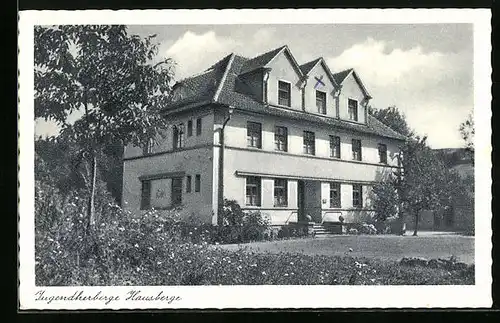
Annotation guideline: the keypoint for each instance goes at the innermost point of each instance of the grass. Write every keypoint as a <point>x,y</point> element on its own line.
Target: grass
<point>383,247</point>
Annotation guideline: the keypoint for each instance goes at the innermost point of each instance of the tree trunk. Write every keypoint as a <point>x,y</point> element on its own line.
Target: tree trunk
<point>91,200</point>
<point>415,231</point>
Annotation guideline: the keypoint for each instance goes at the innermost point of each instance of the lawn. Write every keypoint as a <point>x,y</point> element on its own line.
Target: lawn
<point>384,247</point>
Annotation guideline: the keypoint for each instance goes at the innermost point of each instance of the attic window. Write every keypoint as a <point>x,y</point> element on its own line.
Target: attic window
<point>321,101</point>
<point>353,109</point>
<point>284,93</point>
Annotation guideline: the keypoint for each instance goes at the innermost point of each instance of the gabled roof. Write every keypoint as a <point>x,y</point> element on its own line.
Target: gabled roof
<point>340,77</point>
<point>263,60</point>
<point>308,67</point>
<point>219,84</point>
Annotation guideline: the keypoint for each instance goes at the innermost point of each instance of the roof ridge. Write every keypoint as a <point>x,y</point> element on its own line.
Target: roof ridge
<point>223,78</point>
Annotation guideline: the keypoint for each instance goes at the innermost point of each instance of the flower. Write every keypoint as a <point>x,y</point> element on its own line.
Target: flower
<point>264,273</point>
<point>136,245</point>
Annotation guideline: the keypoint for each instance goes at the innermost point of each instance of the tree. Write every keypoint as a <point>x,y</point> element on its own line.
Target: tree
<point>393,118</point>
<point>467,131</point>
<point>108,77</point>
<point>423,185</point>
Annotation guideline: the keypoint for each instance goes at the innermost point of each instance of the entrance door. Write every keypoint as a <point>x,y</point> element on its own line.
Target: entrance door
<point>176,191</point>
<point>300,200</point>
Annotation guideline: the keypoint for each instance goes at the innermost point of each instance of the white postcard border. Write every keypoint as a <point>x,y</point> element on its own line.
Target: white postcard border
<point>478,295</point>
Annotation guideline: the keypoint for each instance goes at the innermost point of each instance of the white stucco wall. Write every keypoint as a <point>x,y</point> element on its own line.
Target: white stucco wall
<point>283,70</point>
<point>328,88</point>
<point>351,90</point>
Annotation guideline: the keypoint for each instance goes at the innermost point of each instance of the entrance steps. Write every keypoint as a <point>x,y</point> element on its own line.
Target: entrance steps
<point>326,229</point>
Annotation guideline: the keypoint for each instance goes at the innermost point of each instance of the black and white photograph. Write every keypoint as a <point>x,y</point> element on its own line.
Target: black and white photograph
<point>171,162</point>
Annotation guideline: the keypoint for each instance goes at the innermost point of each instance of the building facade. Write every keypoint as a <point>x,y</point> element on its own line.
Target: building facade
<point>293,141</point>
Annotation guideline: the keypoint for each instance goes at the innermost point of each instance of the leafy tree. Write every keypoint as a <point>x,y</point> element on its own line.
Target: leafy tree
<point>108,77</point>
<point>392,118</point>
<point>467,131</point>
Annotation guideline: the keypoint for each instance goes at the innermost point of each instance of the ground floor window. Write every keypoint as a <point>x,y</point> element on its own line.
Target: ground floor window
<point>145,195</point>
<point>357,195</point>
<point>197,183</point>
<point>334,195</point>
<point>280,192</point>
<point>253,191</point>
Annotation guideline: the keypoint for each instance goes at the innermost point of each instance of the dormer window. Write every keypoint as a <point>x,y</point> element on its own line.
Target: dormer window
<point>321,101</point>
<point>284,93</point>
<point>353,109</point>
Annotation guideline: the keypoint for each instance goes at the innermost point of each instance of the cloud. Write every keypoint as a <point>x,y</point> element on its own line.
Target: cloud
<point>434,89</point>
<point>194,53</point>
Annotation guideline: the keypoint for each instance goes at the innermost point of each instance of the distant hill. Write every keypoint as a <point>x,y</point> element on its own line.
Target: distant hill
<point>459,159</point>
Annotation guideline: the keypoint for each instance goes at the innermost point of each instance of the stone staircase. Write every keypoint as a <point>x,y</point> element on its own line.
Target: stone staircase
<point>326,229</point>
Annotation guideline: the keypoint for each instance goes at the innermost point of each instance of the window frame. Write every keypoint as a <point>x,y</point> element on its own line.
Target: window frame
<point>382,153</point>
<point>280,199</point>
<point>190,128</point>
<point>357,189</point>
<point>322,109</point>
<point>335,203</point>
<point>189,183</point>
<point>250,138</point>
<point>198,126</point>
<point>281,139</point>
<point>356,109</point>
<point>148,147</point>
<point>255,199</point>
<point>289,85</point>
<point>197,183</point>
<point>335,142</point>
<point>354,156</point>
<point>145,200</point>
<point>306,140</point>
<point>178,136</point>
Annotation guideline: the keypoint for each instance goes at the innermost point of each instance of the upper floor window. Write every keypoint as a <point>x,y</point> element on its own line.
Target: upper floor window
<point>353,109</point>
<point>309,143</point>
<point>356,149</point>
<point>284,93</point>
<point>281,138</point>
<point>178,136</point>
<point>198,126</point>
<point>190,128</point>
<point>280,192</point>
<point>321,101</point>
<point>357,195</point>
<point>335,146</point>
<point>382,153</point>
<point>334,195</point>
<point>197,183</point>
<point>148,147</point>
<point>252,191</point>
<point>254,134</point>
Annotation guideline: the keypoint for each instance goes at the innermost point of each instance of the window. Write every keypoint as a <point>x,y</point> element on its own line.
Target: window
<point>253,191</point>
<point>176,191</point>
<point>188,184</point>
<point>382,153</point>
<point>281,138</point>
<point>198,126</point>
<point>334,195</point>
<point>321,101</point>
<point>254,134</point>
<point>357,195</point>
<point>179,136</point>
<point>353,109</point>
<point>190,128</point>
<point>280,192</point>
<point>148,147</point>
<point>309,143</point>
<point>145,195</point>
<point>284,93</point>
<point>334,146</point>
<point>197,183</point>
<point>356,149</point>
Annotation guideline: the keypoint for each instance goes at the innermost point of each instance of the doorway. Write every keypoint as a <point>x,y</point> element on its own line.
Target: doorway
<point>176,191</point>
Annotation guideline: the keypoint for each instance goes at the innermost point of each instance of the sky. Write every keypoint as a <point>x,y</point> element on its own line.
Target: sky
<point>426,71</point>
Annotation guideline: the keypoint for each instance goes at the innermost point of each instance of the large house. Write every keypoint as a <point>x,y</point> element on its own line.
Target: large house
<point>293,141</point>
